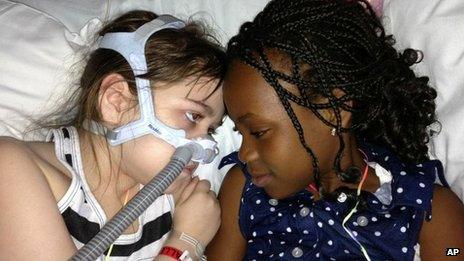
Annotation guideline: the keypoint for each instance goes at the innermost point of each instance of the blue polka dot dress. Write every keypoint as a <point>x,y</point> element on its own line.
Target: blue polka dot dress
<point>300,228</point>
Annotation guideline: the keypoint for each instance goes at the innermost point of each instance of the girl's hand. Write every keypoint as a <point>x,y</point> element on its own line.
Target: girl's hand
<point>197,211</point>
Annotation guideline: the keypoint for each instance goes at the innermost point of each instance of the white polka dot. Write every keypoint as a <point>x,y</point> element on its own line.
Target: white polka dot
<point>252,217</point>
<point>387,215</point>
<point>300,241</point>
<point>402,173</point>
<point>315,245</point>
<point>319,224</point>
<point>311,214</point>
<point>305,232</point>
<point>386,158</point>
<point>281,254</point>
<point>419,201</point>
<point>403,208</point>
<point>404,249</point>
<point>272,209</point>
<point>403,229</point>
<point>289,229</point>
<point>377,233</point>
<point>355,233</point>
<point>330,242</point>
<point>331,222</point>
<point>250,241</point>
<point>422,185</point>
<point>258,201</point>
<point>270,232</point>
<point>399,190</point>
<point>421,172</point>
<point>279,214</point>
<point>374,219</point>
<point>346,251</point>
<point>327,209</point>
<point>414,216</point>
<point>419,165</point>
<point>282,242</point>
<point>317,255</point>
<point>260,252</point>
<point>332,259</point>
<point>355,223</point>
<point>254,233</point>
<point>375,202</point>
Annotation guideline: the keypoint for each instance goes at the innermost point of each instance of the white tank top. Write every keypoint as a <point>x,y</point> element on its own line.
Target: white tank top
<point>84,216</point>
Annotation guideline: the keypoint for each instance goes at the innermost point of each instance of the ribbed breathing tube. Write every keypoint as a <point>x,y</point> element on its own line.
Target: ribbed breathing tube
<point>136,206</point>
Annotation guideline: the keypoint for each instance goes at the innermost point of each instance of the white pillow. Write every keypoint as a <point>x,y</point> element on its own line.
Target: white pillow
<point>223,15</point>
<point>33,55</point>
<point>437,28</point>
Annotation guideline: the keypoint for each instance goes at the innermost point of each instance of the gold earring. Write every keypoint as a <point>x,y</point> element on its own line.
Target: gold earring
<point>333,132</point>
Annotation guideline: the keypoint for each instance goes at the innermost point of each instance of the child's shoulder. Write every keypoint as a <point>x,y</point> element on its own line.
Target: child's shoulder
<point>233,182</point>
<point>236,176</point>
<point>446,228</point>
<point>23,160</point>
<point>14,152</point>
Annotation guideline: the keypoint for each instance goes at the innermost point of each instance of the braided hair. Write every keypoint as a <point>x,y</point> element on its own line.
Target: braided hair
<point>341,44</point>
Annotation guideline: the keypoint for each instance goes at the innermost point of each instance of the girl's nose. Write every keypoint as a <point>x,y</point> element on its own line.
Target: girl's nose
<point>247,152</point>
<point>200,130</point>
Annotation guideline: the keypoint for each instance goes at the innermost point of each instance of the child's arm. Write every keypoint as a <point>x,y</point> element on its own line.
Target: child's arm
<point>446,229</point>
<point>229,244</point>
<point>31,226</point>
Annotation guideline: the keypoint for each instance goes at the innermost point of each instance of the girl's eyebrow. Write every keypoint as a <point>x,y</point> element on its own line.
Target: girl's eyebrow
<point>207,108</point>
<point>245,117</point>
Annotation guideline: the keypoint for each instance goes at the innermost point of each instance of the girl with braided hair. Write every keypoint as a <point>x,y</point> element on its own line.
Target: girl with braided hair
<point>334,162</point>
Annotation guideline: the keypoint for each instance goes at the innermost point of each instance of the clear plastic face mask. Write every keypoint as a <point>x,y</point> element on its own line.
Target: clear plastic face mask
<point>131,45</point>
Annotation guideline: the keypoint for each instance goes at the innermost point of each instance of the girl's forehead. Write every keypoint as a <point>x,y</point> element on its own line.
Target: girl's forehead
<point>199,89</point>
<point>203,88</point>
<point>245,90</point>
<point>250,82</point>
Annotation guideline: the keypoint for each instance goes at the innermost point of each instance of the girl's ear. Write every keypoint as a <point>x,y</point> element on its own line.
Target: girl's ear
<point>114,99</point>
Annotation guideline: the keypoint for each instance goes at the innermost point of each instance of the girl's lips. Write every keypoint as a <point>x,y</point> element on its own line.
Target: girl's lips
<point>262,180</point>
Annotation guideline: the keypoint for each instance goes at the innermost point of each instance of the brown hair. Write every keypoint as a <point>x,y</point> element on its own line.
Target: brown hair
<point>172,55</point>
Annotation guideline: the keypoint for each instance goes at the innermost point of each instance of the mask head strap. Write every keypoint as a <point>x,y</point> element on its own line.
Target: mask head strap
<point>131,45</point>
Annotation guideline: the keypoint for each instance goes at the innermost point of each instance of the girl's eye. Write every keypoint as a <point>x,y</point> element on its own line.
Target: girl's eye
<point>258,134</point>
<point>193,117</point>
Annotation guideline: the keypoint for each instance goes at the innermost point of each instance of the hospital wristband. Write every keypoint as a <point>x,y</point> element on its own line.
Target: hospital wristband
<point>175,253</point>
<point>199,249</point>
